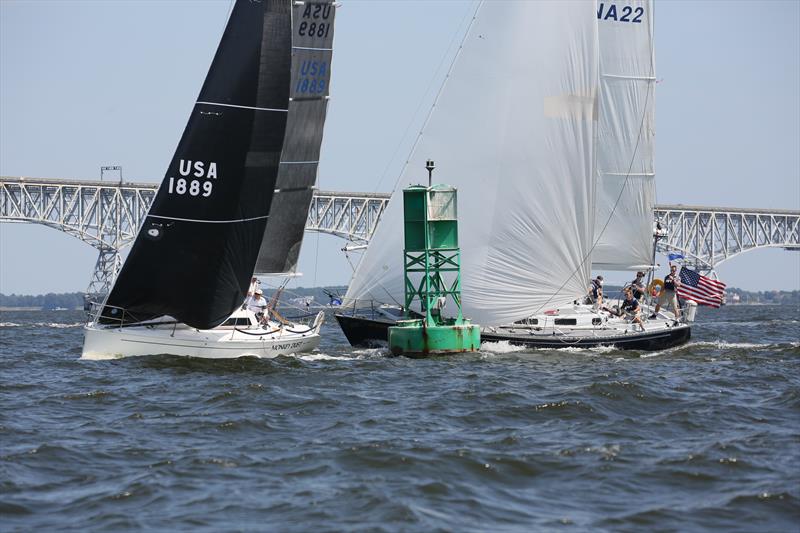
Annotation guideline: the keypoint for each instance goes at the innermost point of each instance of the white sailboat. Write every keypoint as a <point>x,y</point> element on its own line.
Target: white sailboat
<point>545,126</point>
<point>234,200</point>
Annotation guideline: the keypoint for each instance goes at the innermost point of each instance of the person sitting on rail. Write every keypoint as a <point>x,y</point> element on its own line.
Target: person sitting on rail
<point>668,295</point>
<point>637,286</point>
<point>630,308</point>
<point>595,295</point>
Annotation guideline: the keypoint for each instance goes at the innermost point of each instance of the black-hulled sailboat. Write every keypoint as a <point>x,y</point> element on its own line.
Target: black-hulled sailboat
<point>234,200</point>
<point>546,127</point>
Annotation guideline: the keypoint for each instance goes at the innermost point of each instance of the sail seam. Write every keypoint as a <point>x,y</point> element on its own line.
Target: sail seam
<point>624,77</point>
<point>209,221</point>
<point>606,173</point>
<point>298,162</point>
<point>310,48</point>
<point>245,107</point>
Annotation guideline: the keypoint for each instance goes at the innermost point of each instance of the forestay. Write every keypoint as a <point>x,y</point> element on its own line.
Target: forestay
<point>312,51</point>
<point>625,137</point>
<point>513,131</point>
<point>197,248</point>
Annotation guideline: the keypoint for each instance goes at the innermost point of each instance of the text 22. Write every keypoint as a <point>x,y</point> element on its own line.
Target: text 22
<point>621,14</point>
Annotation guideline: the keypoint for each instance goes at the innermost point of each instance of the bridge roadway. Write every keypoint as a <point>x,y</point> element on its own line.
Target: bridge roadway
<point>108,214</point>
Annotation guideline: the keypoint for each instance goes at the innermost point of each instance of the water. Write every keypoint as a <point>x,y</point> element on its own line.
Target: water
<point>701,437</point>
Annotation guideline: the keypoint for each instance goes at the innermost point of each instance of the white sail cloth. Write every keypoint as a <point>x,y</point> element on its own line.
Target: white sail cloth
<point>625,138</point>
<point>513,131</point>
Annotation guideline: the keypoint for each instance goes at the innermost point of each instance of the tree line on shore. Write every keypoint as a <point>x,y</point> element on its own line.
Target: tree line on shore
<point>324,296</point>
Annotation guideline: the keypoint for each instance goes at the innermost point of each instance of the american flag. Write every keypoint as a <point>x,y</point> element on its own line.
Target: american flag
<point>703,290</point>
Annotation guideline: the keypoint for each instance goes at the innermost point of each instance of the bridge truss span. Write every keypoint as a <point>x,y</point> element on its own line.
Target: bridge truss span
<point>711,235</point>
<point>107,215</point>
<point>353,216</point>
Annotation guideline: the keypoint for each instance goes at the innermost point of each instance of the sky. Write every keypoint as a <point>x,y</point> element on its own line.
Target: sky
<point>90,83</point>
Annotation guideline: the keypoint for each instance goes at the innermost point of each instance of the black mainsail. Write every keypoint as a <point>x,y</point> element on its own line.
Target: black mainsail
<point>196,250</point>
<point>312,51</point>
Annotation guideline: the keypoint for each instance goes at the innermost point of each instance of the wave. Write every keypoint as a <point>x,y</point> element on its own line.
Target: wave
<point>501,347</point>
<point>57,325</point>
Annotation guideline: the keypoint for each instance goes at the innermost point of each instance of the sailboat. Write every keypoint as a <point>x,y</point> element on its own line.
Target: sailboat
<point>545,126</point>
<point>234,200</point>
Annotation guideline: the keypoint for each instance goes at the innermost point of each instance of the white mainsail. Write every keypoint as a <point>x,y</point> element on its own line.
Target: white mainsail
<point>513,131</point>
<point>625,137</point>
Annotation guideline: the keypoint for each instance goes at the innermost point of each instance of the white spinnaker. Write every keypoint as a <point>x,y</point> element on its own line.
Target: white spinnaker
<point>513,131</point>
<point>625,137</point>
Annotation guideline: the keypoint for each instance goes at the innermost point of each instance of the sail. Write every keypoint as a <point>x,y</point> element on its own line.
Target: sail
<point>195,252</point>
<point>513,131</point>
<point>625,137</point>
<point>312,51</point>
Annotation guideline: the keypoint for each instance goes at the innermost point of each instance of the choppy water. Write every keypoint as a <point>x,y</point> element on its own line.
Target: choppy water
<point>701,437</point>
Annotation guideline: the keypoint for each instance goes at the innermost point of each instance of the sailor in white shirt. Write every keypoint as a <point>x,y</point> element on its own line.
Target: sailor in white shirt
<point>257,304</point>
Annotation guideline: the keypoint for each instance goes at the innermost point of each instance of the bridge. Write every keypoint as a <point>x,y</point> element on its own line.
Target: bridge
<point>108,214</point>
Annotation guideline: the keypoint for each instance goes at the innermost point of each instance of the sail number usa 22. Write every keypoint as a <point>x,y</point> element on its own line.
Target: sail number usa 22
<point>194,187</point>
<point>606,11</point>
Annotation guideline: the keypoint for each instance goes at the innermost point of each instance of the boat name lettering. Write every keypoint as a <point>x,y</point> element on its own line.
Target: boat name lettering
<point>287,345</point>
<point>313,77</point>
<point>625,13</point>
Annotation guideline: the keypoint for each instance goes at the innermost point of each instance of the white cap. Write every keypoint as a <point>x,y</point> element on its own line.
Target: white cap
<point>259,291</point>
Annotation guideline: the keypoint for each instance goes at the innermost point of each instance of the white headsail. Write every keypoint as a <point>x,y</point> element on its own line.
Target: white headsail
<point>513,131</point>
<point>625,136</point>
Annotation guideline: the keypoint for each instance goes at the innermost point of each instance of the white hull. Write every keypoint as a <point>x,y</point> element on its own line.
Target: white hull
<point>225,342</point>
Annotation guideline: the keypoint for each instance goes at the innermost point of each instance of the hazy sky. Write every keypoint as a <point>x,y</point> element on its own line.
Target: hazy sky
<point>85,84</point>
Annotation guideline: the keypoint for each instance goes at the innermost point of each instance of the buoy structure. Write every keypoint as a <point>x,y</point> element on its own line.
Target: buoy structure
<point>432,269</point>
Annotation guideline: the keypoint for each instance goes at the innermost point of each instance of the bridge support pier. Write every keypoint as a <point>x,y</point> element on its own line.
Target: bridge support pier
<point>105,270</point>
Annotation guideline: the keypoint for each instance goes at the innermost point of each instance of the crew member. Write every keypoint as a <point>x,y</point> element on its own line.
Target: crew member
<point>637,286</point>
<point>668,294</point>
<point>630,307</point>
<point>596,291</point>
<point>258,305</point>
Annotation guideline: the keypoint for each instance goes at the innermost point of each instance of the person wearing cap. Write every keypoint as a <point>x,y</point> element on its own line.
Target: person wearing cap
<point>668,295</point>
<point>257,304</point>
<point>596,291</point>
<point>637,286</point>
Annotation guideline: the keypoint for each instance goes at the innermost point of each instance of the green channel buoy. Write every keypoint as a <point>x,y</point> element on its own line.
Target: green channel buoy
<point>432,269</point>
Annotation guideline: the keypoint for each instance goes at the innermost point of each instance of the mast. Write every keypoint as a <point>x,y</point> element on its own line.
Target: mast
<point>195,252</point>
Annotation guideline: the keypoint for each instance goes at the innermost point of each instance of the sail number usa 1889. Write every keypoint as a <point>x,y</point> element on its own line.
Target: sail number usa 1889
<point>194,187</point>
<point>620,14</point>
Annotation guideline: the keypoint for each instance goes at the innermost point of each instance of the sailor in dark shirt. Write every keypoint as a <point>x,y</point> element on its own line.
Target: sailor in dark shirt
<point>630,308</point>
<point>668,295</point>
<point>637,286</point>
<point>596,292</point>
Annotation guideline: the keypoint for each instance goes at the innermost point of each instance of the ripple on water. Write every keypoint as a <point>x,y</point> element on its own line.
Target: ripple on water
<point>701,436</point>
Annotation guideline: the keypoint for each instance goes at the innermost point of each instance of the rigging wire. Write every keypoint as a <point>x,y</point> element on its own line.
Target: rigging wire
<point>438,93</point>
